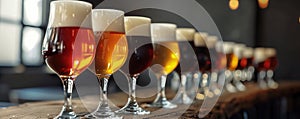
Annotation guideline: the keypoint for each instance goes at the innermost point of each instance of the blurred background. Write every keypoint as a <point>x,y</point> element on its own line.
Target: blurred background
<point>25,77</point>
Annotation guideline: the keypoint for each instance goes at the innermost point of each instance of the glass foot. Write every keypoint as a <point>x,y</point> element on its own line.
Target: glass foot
<point>230,88</point>
<point>132,108</point>
<point>272,84</point>
<point>240,86</point>
<point>162,104</point>
<point>69,115</point>
<point>182,98</point>
<point>107,115</point>
<point>262,84</point>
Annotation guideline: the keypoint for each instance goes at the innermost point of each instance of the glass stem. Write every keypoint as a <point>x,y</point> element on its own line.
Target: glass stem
<point>162,85</point>
<point>103,84</point>
<point>183,82</point>
<point>68,89</point>
<point>132,86</point>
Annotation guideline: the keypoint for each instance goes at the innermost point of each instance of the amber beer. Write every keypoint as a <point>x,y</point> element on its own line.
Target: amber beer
<point>238,51</point>
<point>221,56</point>
<point>111,52</point>
<point>167,55</point>
<point>232,59</point>
<point>166,49</point>
<point>112,48</point>
<point>166,58</point>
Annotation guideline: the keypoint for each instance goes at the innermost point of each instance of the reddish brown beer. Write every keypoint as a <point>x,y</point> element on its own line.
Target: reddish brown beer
<point>70,50</point>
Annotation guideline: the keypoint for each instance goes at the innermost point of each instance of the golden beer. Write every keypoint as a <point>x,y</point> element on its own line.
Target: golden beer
<point>111,52</point>
<point>232,61</point>
<point>166,54</point>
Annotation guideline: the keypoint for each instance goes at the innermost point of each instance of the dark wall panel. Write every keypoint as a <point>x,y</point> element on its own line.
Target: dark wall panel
<point>279,27</point>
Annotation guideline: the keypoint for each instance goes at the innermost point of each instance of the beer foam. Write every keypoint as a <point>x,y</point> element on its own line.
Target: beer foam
<point>70,13</point>
<point>211,41</point>
<point>238,50</point>
<point>259,55</point>
<point>163,32</point>
<point>270,52</point>
<point>248,52</point>
<point>185,34</point>
<point>219,46</point>
<point>108,20</point>
<point>199,38</point>
<point>137,26</point>
<point>228,47</point>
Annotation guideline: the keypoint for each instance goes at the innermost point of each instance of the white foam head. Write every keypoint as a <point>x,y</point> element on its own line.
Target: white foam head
<point>248,52</point>
<point>270,52</point>
<point>163,32</point>
<point>108,20</point>
<point>259,55</point>
<point>199,39</point>
<point>70,13</point>
<point>219,46</point>
<point>228,47</point>
<point>238,50</point>
<point>211,41</point>
<point>185,34</point>
<point>137,26</point>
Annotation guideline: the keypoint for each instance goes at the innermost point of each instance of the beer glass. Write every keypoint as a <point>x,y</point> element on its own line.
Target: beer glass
<point>211,74</point>
<point>247,61</point>
<point>204,62</point>
<point>68,47</point>
<point>238,49</point>
<point>188,63</point>
<point>140,50</point>
<point>232,62</point>
<point>270,65</point>
<point>259,59</point>
<point>166,58</point>
<point>111,53</point>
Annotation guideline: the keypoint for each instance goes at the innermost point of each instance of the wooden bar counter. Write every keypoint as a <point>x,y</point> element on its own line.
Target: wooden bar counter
<point>252,103</point>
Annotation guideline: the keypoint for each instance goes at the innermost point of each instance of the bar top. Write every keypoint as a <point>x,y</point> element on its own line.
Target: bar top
<point>227,105</point>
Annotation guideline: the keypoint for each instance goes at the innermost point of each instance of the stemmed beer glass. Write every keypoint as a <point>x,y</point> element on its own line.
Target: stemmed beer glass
<point>140,57</point>
<point>232,63</point>
<point>270,64</point>
<point>188,63</point>
<point>69,45</point>
<point>166,58</point>
<point>111,53</point>
<point>259,58</point>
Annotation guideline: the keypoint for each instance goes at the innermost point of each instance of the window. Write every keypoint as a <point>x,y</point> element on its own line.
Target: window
<point>22,26</point>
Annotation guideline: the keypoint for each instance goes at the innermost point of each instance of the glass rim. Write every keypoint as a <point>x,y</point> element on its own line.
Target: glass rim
<point>186,29</point>
<point>169,25</point>
<point>138,18</point>
<point>108,10</point>
<point>79,2</point>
